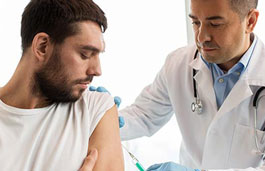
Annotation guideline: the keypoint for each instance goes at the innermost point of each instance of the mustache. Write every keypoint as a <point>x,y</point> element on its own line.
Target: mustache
<point>207,45</point>
<point>87,79</point>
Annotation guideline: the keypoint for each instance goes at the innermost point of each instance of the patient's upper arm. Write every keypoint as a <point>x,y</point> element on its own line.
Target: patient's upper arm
<point>106,139</point>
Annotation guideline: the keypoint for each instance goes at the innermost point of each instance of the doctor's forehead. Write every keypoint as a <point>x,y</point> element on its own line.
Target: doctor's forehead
<point>209,9</point>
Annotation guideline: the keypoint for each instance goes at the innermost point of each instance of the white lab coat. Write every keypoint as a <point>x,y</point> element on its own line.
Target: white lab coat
<point>216,139</point>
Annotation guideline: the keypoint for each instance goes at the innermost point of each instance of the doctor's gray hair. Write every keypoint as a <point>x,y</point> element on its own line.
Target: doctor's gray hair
<point>242,7</point>
<point>58,18</point>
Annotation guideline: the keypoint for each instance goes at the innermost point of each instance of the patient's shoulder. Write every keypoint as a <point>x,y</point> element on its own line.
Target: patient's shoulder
<point>94,105</point>
<point>97,99</point>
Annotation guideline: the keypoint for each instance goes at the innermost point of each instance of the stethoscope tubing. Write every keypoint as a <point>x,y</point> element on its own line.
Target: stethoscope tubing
<point>255,100</point>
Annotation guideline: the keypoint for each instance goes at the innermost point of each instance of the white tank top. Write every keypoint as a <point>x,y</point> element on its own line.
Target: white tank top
<point>54,138</point>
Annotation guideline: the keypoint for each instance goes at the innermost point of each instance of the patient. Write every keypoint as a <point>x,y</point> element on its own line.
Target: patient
<point>48,120</point>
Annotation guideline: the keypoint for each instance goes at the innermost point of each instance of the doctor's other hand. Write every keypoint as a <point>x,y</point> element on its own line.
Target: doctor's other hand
<point>90,161</point>
<point>117,101</point>
<point>169,166</point>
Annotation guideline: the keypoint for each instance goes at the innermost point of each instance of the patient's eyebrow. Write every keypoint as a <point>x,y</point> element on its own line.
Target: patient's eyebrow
<point>90,48</point>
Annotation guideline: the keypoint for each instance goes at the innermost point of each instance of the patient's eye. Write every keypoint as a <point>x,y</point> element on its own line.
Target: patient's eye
<point>86,55</point>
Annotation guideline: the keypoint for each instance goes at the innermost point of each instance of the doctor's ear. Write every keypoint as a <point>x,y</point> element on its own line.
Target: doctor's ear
<point>252,19</point>
<point>41,46</point>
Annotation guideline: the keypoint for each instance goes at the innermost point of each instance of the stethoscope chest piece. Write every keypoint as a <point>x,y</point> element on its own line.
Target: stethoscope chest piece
<point>197,106</point>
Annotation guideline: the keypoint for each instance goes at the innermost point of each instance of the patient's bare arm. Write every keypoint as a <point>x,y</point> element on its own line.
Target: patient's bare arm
<point>106,139</point>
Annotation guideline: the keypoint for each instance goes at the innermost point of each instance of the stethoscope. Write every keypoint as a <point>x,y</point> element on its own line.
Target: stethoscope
<point>197,106</point>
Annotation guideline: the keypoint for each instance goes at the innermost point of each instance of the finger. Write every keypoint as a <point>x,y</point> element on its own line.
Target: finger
<point>154,167</point>
<point>90,161</point>
<point>102,89</point>
<point>92,88</point>
<point>121,121</point>
<point>117,101</point>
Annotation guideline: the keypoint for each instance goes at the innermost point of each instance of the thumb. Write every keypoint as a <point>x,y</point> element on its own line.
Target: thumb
<point>90,161</point>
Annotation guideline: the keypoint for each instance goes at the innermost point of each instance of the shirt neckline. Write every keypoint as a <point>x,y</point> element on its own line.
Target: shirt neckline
<point>23,112</point>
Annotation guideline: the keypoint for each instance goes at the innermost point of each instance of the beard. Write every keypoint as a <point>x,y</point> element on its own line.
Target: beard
<point>52,82</point>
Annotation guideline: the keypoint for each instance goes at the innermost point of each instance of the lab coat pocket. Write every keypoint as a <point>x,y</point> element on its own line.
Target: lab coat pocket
<point>243,148</point>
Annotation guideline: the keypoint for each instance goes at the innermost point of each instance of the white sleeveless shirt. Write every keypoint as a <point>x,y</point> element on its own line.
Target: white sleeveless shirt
<point>54,138</point>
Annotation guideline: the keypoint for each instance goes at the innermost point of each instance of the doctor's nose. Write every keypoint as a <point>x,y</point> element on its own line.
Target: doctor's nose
<point>94,67</point>
<point>203,35</point>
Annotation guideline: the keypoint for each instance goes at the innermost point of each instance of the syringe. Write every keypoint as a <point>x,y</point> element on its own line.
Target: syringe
<point>135,160</point>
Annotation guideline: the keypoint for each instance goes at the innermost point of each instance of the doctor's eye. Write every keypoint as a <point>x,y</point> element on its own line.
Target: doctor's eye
<point>197,23</point>
<point>215,25</point>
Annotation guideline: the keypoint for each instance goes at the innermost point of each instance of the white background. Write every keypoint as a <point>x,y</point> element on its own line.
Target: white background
<point>140,35</point>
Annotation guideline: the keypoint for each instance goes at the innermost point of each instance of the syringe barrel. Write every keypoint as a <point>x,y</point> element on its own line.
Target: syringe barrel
<point>139,166</point>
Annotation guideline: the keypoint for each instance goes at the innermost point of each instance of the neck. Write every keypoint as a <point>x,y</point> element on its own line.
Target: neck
<point>18,92</point>
<point>228,65</point>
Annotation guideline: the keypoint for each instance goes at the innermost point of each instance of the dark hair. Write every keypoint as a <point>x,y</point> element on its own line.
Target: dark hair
<point>58,19</point>
<point>242,7</point>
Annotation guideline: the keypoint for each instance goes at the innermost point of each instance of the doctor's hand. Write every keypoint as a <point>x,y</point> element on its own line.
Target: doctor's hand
<point>90,161</point>
<point>117,101</point>
<point>169,166</point>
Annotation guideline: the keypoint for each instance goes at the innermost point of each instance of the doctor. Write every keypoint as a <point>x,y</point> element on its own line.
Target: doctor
<point>223,72</point>
<point>210,87</point>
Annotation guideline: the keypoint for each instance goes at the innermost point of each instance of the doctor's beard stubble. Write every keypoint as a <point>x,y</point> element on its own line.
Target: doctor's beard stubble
<point>207,55</point>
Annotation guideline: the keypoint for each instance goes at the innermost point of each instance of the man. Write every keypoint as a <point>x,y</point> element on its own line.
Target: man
<point>48,120</point>
<point>228,71</point>
<point>222,77</point>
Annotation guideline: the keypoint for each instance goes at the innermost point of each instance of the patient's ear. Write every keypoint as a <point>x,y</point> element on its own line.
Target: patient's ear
<point>42,47</point>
